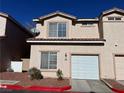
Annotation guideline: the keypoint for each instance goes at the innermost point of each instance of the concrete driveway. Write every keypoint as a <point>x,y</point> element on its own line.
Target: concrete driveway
<point>121,82</point>
<point>94,86</point>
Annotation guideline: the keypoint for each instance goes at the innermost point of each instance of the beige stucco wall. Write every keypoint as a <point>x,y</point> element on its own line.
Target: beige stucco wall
<point>73,31</point>
<point>105,67</point>
<point>2,26</point>
<point>25,64</point>
<point>82,31</point>
<point>113,33</point>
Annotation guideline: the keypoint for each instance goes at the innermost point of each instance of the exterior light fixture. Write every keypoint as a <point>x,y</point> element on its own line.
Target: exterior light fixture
<point>65,56</point>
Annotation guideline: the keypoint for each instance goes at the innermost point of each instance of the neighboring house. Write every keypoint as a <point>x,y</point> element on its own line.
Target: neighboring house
<point>81,48</point>
<point>13,46</point>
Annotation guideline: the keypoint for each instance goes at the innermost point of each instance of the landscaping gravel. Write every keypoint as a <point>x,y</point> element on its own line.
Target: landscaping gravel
<point>25,81</point>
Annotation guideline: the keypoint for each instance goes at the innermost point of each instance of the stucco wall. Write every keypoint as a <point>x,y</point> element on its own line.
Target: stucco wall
<point>83,31</point>
<point>25,64</point>
<point>2,26</point>
<point>105,67</point>
<point>73,31</point>
<point>113,32</point>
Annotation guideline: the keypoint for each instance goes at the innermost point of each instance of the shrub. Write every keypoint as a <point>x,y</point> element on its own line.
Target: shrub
<point>9,69</point>
<point>59,74</point>
<point>35,73</point>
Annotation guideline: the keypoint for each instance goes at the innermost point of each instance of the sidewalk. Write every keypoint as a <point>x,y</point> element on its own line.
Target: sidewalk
<point>121,82</point>
<point>114,85</point>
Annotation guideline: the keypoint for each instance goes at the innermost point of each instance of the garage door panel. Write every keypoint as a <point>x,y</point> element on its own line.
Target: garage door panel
<point>119,67</point>
<point>85,67</point>
<point>84,77</point>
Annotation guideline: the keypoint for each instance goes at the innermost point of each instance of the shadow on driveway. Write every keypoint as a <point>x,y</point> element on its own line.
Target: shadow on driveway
<point>22,91</point>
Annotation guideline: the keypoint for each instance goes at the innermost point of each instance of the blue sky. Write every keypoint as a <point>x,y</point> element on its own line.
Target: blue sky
<point>25,10</point>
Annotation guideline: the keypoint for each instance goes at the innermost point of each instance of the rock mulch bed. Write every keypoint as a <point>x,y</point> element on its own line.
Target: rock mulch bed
<point>25,81</point>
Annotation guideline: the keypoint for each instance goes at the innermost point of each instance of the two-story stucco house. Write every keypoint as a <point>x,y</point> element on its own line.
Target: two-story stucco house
<point>81,48</point>
<point>13,46</point>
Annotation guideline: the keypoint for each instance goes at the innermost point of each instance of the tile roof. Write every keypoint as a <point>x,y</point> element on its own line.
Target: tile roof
<point>58,12</point>
<point>66,39</point>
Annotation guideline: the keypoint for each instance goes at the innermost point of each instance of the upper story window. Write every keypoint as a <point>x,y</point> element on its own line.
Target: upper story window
<point>114,18</point>
<point>110,18</point>
<point>87,24</point>
<point>117,18</point>
<point>57,29</point>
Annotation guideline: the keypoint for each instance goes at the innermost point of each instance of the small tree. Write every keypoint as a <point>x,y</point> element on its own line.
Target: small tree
<point>59,74</point>
<point>35,73</point>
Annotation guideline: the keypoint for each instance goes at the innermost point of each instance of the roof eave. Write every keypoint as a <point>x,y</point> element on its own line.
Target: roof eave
<point>17,23</point>
<point>111,11</point>
<point>57,13</point>
<point>89,20</point>
<point>67,42</point>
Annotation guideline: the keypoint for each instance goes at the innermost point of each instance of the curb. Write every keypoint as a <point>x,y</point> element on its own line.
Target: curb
<point>117,90</point>
<point>112,88</point>
<point>35,88</point>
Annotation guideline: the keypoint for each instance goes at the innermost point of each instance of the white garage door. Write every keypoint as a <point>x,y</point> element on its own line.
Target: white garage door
<point>119,67</point>
<point>85,67</point>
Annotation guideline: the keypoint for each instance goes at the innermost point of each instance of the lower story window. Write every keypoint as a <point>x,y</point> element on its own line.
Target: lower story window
<point>48,60</point>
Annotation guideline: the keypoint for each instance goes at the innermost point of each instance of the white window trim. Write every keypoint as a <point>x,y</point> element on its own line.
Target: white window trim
<point>114,18</point>
<point>57,28</point>
<point>48,69</point>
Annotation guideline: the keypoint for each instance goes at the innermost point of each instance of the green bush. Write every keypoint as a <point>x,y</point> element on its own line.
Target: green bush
<point>59,74</point>
<point>35,73</point>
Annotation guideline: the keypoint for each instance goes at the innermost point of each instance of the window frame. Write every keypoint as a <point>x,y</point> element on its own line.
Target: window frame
<point>111,18</point>
<point>115,18</point>
<point>48,65</point>
<point>57,30</point>
<point>88,24</point>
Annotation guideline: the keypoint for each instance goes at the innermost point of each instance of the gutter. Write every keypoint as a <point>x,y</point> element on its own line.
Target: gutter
<point>35,41</point>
